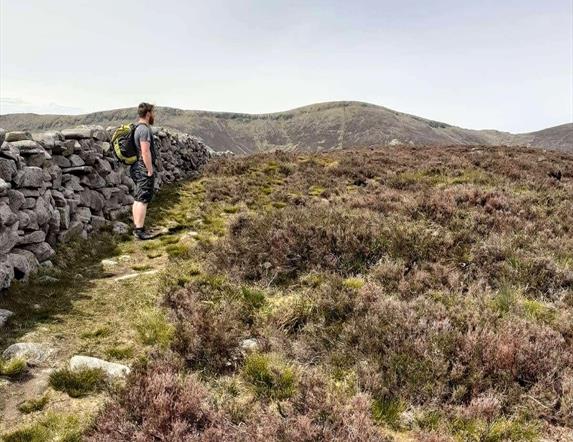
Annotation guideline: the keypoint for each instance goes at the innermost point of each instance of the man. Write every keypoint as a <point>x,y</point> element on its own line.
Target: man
<point>142,171</point>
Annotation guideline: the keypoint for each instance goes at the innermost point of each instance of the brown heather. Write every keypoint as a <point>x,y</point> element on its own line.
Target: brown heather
<point>401,294</point>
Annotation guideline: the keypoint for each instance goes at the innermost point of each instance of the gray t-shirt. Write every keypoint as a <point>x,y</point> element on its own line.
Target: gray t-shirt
<point>143,133</point>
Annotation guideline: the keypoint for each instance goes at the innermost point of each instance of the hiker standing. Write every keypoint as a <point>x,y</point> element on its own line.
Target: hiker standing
<point>142,171</point>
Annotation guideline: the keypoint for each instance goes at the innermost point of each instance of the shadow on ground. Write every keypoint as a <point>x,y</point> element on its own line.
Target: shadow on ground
<point>51,293</point>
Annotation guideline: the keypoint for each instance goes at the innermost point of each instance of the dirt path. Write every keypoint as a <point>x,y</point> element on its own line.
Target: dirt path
<point>105,304</point>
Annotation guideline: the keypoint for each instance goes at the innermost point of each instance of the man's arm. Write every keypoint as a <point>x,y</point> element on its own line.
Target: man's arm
<point>146,156</point>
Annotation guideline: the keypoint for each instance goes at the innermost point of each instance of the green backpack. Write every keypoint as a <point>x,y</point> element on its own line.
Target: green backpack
<point>123,142</point>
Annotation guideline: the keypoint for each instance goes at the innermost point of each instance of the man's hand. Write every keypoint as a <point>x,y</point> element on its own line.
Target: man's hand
<point>146,156</point>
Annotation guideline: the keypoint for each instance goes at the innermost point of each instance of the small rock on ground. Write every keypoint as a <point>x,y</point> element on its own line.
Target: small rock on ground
<point>33,353</point>
<point>112,369</point>
<point>4,316</point>
<point>249,345</point>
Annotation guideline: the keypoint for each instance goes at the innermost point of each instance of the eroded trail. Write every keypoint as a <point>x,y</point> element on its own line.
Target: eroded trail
<point>100,300</point>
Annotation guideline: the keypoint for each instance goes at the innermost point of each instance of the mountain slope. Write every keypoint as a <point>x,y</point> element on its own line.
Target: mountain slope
<point>325,126</point>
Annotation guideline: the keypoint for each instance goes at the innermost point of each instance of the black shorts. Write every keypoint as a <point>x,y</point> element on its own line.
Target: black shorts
<point>144,184</point>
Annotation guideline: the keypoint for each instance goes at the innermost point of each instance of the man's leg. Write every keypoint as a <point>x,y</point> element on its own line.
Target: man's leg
<point>139,211</point>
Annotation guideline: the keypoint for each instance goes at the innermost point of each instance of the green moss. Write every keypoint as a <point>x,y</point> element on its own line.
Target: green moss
<point>32,405</point>
<point>269,377</point>
<point>78,383</point>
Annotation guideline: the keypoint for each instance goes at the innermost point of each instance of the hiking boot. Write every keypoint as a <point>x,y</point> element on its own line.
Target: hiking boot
<point>142,234</point>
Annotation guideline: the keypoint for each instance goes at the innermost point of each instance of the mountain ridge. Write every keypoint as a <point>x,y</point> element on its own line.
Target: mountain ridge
<point>315,127</point>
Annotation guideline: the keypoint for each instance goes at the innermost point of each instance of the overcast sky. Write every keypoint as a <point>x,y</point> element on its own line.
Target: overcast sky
<point>504,64</point>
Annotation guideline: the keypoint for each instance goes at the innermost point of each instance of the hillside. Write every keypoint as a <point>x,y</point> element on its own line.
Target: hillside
<point>319,127</point>
<point>334,296</point>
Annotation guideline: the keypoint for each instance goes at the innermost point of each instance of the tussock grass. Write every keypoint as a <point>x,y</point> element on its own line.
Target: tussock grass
<point>78,383</point>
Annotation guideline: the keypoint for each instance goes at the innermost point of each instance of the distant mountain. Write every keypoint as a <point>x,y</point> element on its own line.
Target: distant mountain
<point>324,126</point>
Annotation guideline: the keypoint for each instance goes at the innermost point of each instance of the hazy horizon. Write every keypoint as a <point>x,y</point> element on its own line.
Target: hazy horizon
<point>494,65</point>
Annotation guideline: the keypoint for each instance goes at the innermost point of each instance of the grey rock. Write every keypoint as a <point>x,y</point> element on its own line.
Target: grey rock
<point>76,228</point>
<point>2,136</point>
<point>65,148</point>
<point>77,133</point>
<point>49,139</point>
<point>93,181</point>
<point>24,263</point>
<point>4,187</point>
<point>59,199</point>
<point>83,214</point>
<point>18,136</point>
<point>43,210</point>
<point>6,274</point>
<point>7,169</point>
<point>8,238</point>
<point>4,316</point>
<point>27,146</point>
<point>30,177</point>
<point>98,222</point>
<point>64,217</point>
<point>79,170</point>
<point>7,217</point>
<point>120,228</point>
<point>76,160</point>
<point>43,251</point>
<point>249,345</point>
<point>61,161</point>
<point>33,353</point>
<point>112,369</point>
<point>32,238</point>
<point>102,167</point>
<point>92,199</point>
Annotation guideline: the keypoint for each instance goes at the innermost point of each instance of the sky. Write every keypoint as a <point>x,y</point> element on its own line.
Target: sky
<point>503,64</point>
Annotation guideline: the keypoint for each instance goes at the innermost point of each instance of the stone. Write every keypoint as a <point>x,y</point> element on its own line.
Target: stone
<point>34,353</point>
<point>43,251</point>
<point>7,217</point>
<point>77,133</point>
<point>102,166</point>
<point>249,345</point>
<point>98,222</point>
<point>17,136</point>
<point>112,369</point>
<point>49,139</point>
<point>24,263</point>
<point>4,187</point>
<point>92,199</point>
<point>79,170</point>
<point>65,148</point>
<point>83,215</point>
<point>61,161</point>
<point>2,136</point>
<point>43,211</point>
<point>4,316</point>
<point>76,228</point>
<point>100,134</point>
<point>59,199</point>
<point>93,181</point>
<point>27,146</point>
<point>8,169</point>
<point>64,217</point>
<point>6,274</point>
<point>76,160</point>
<point>55,175</point>
<point>120,228</point>
<point>8,238</point>
<point>30,176</point>
<point>32,238</point>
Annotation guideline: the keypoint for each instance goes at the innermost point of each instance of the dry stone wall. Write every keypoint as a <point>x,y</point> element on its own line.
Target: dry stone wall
<point>55,186</point>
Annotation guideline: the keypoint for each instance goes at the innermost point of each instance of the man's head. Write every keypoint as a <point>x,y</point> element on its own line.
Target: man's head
<point>146,112</point>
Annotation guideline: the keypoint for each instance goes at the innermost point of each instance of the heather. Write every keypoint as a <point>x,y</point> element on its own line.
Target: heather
<point>396,294</point>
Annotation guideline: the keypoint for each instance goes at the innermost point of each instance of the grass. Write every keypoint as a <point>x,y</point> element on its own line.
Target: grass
<point>153,328</point>
<point>13,367</point>
<point>78,383</point>
<point>270,377</point>
<point>33,405</point>
<point>53,427</point>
